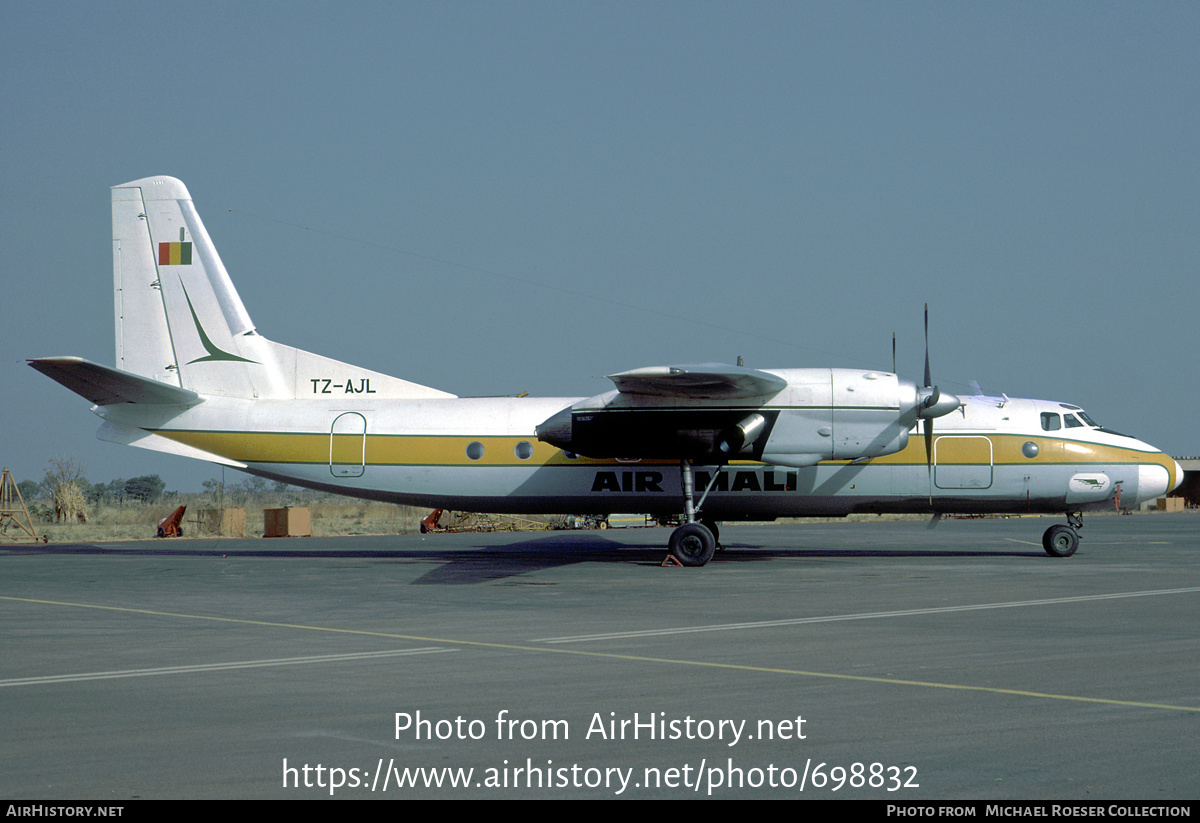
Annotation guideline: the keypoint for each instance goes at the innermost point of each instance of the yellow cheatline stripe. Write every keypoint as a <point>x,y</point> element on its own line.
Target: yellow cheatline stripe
<point>892,681</point>
<point>381,449</point>
<point>1006,449</point>
<point>451,450</point>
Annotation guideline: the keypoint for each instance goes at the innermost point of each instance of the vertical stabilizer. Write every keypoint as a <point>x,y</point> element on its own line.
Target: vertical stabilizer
<point>179,319</point>
<point>177,312</point>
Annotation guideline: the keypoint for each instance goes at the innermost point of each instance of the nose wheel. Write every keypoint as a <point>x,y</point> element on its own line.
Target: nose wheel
<point>1062,541</point>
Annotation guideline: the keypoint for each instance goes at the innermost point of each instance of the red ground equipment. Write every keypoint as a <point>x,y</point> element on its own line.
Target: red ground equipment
<point>169,527</point>
<point>430,521</point>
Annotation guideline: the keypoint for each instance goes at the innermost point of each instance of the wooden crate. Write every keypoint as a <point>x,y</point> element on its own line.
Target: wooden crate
<point>286,523</point>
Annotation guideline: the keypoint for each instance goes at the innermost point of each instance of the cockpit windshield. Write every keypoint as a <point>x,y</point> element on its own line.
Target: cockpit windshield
<point>1074,419</point>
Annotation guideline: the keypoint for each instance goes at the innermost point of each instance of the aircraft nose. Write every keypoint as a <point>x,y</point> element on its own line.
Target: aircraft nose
<point>1154,480</point>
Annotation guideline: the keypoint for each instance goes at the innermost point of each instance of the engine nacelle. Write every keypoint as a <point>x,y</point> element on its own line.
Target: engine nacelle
<point>840,414</point>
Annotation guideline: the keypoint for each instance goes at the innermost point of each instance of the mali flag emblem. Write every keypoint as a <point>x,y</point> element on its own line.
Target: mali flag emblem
<point>174,254</point>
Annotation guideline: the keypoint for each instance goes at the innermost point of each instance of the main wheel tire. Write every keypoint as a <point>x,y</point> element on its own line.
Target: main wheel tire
<point>716,531</point>
<point>692,544</point>
<point>1060,541</point>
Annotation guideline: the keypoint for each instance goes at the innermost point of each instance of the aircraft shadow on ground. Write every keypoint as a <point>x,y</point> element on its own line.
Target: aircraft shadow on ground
<point>482,563</point>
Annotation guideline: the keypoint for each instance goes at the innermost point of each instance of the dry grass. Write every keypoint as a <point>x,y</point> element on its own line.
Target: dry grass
<point>329,517</point>
<point>136,521</point>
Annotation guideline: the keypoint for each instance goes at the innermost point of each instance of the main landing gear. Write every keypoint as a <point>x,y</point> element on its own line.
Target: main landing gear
<point>1062,541</point>
<point>693,543</point>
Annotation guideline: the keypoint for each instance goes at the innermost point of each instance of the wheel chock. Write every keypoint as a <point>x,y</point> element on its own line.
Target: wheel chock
<point>669,561</point>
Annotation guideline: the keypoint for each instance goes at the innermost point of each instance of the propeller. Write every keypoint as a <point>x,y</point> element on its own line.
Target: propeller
<point>932,403</point>
<point>928,403</point>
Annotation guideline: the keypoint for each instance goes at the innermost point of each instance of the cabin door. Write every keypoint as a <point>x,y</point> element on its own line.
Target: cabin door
<point>348,445</point>
<point>962,462</point>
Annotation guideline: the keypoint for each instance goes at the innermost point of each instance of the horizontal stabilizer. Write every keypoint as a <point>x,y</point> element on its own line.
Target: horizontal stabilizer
<point>104,386</point>
<point>706,380</point>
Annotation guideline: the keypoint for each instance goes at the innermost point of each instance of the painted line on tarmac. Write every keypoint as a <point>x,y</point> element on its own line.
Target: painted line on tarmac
<point>630,658</point>
<point>214,667</point>
<point>1092,542</point>
<point>800,621</point>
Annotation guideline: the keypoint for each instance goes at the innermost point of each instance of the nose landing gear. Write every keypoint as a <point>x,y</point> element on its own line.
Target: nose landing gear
<point>1062,541</point>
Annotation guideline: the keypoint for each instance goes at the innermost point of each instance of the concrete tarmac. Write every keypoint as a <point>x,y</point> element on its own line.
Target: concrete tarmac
<point>882,660</point>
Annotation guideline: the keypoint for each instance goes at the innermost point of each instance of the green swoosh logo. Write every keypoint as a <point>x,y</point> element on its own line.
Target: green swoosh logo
<point>214,353</point>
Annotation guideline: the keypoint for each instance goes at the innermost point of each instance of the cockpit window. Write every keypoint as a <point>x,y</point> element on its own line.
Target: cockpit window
<point>1051,421</point>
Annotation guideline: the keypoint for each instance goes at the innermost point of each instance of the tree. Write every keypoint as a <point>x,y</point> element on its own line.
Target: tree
<point>30,490</point>
<point>65,476</point>
<point>147,488</point>
<point>64,470</point>
<point>215,488</point>
<point>115,490</point>
<point>96,493</point>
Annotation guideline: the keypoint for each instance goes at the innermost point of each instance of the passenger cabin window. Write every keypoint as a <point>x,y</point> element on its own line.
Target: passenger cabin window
<point>1050,422</point>
<point>1072,421</point>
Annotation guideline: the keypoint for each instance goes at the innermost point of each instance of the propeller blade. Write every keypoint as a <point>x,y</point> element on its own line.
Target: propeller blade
<point>928,378</point>
<point>929,455</point>
<point>929,403</point>
<point>893,352</point>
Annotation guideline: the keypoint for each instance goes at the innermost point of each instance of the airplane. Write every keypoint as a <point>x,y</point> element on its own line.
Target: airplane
<point>705,442</point>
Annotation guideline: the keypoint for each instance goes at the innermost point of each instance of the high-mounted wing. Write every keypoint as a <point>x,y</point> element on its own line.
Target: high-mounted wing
<point>716,413</point>
<point>705,411</point>
<point>706,381</point>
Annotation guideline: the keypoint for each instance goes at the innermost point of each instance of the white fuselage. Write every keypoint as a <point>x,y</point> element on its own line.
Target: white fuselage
<point>483,454</point>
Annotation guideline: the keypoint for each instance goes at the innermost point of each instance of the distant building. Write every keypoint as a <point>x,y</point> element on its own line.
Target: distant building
<point>1190,487</point>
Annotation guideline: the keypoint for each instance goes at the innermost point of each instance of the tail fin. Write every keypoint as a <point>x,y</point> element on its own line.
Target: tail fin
<point>174,304</point>
<point>180,321</point>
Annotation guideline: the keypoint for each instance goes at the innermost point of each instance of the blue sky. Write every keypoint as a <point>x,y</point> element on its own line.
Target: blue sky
<point>500,197</point>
